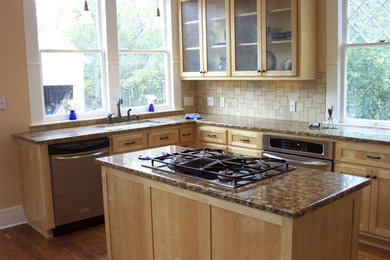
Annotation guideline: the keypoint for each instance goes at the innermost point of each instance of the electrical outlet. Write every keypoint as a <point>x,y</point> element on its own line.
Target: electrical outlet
<point>188,101</point>
<point>292,106</point>
<point>3,103</point>
<point>210,101</point>
<point>222,102</point>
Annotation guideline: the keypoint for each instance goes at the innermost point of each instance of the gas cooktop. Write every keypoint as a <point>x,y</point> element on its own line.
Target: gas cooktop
<point>216,166</point>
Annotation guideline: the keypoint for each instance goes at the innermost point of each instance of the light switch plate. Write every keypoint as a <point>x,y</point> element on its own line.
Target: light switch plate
<point>188,101</point>
<point>293,106</point>
<point>210,101</point>
<point>221,101</point>
<point>3,103</point>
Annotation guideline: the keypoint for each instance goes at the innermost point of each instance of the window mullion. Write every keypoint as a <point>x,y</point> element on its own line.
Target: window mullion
<point>110,44</point>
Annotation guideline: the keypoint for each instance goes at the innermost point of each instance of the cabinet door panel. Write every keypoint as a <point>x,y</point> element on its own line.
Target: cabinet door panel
<point>365,197</point>
<point>279,52</point>
<point>217,38</point>
<point>380,197</point>
<point>181,227</point>
<point>191,37</point>
<point>246,37</point>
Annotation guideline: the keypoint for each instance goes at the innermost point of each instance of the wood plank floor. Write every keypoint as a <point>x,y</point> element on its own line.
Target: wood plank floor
<point>22,242</point>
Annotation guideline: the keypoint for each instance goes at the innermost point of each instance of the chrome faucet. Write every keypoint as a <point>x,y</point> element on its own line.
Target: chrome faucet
<point>120,102</point>
<point>128,115</point>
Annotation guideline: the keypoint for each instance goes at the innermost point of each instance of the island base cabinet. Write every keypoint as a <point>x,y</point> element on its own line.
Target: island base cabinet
<point>181,227</point>
<point>147,219</point>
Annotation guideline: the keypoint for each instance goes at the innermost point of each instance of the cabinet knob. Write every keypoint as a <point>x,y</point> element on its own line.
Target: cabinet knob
<point>264,70</point>
<point>368,176</point>
<point>205,71</point>
<point>259,71</point>
<point>374,177</point>
<point>201,72</point>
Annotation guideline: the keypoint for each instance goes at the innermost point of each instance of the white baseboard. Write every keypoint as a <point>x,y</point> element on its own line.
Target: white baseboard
<point>12,217</point>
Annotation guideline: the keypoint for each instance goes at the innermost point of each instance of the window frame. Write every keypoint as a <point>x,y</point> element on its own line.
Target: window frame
<point>108,44</point>
<point>337,37</point>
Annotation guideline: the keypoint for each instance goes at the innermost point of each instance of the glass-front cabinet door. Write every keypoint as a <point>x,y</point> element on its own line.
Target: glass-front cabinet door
<point>246,37</point>
<point>279,32</point>
<point>216,38</point>
<point>191,38</point>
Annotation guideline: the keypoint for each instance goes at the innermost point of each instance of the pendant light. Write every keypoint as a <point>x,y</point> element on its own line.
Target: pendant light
<point>86,17</point>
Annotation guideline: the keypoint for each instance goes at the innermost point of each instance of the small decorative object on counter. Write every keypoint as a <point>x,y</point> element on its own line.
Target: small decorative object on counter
<point>72,105</point>
<point>151,99</point>
<point>72,115</point>
<point>330,124</point>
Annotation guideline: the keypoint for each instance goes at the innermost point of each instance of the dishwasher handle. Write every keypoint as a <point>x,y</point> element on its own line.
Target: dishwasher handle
<point>306,163</point>
<point>79,156</point>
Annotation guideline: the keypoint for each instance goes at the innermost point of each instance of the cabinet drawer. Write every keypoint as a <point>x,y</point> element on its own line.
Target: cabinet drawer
<point>247,139</point>
<point>212,135</point>
<point>127,143</point>
<point>164,137</point>
<point>245,151</point>
<point>186,134</point>
<point>366,154</point>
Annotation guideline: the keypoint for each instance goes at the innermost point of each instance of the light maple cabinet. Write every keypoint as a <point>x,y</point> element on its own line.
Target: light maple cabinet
<point>128,142</point>
<point>204,44</point>
<point>375,206</point>
<point>163,137</point>
<point>267,39</point>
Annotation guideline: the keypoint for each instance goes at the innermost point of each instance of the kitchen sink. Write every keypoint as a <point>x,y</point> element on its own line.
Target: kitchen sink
<point>128,125</point>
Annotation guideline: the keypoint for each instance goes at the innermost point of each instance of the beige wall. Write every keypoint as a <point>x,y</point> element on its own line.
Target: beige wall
<point>13,85</point>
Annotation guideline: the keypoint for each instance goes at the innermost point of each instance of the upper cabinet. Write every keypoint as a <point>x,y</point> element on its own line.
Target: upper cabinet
<point>253,39</point>
<point>205,42</point>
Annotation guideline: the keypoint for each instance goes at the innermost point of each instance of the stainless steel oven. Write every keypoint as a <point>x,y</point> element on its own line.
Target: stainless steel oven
<point>300,151</point>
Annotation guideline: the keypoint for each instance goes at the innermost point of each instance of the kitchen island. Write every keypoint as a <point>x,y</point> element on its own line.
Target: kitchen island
<point>301,214</point>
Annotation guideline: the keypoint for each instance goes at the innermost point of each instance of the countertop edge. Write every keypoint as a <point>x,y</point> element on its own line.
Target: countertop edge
<point>193,186</point>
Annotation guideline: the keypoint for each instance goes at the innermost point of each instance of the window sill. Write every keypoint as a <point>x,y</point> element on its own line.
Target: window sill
<point>356,124</point>
<point>99,120</point>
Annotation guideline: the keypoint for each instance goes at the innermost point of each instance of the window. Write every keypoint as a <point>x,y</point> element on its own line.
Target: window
<point>366,55</point>
<point>71,63</point>
<point>142,52</point>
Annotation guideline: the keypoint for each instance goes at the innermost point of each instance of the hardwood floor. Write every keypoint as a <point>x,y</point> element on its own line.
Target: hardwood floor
<point>22,242</point>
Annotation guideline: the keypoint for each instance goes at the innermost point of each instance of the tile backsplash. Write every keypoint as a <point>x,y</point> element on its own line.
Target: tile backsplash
<point>261,99</point>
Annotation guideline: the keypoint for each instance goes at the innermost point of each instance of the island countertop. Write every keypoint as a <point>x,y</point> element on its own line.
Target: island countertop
<point>292,194</point>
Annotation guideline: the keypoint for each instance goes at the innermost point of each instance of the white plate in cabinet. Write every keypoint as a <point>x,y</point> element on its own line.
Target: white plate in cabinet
<point>164,137</point>
<point>247,139</point>
<point>127,143</point>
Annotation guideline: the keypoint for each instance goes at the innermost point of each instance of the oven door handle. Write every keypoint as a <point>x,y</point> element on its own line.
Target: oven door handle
<point>316,163</point>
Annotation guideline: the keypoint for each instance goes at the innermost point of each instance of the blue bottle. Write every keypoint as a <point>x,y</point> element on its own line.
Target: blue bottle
<point>151,107</point>
<point>72,115</point>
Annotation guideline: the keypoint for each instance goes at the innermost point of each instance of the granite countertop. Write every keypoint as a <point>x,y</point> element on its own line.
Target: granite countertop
<point>343,133</point>
<point>292,194</point>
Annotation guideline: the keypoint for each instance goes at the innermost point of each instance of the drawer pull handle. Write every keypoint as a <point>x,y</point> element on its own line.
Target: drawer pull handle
<point>368,176</point>
<point>374,177</point>
<point>130,143</point>
<point>211,135</point>
<point>373,157</point>
<point>186,134</point>
<point>165,137</point>
<point>244,140</point>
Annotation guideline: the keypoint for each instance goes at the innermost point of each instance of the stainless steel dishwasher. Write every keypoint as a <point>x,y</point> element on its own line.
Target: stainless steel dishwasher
<point>77,183</point>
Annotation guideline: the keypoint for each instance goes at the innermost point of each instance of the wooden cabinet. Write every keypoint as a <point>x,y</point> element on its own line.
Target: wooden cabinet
<point>245,151</point>
<point>163,137</point>
<point>181,227</point>
<point>209,134</point>
<point>266,39</point>
<point>380,203</point>
<point>375,206</point>
<point>247,139</point>
<point>127,216</point>
<point>366,192</point>
<point>128,142</point>
<point>205,44</point>
<point>372,155</point>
